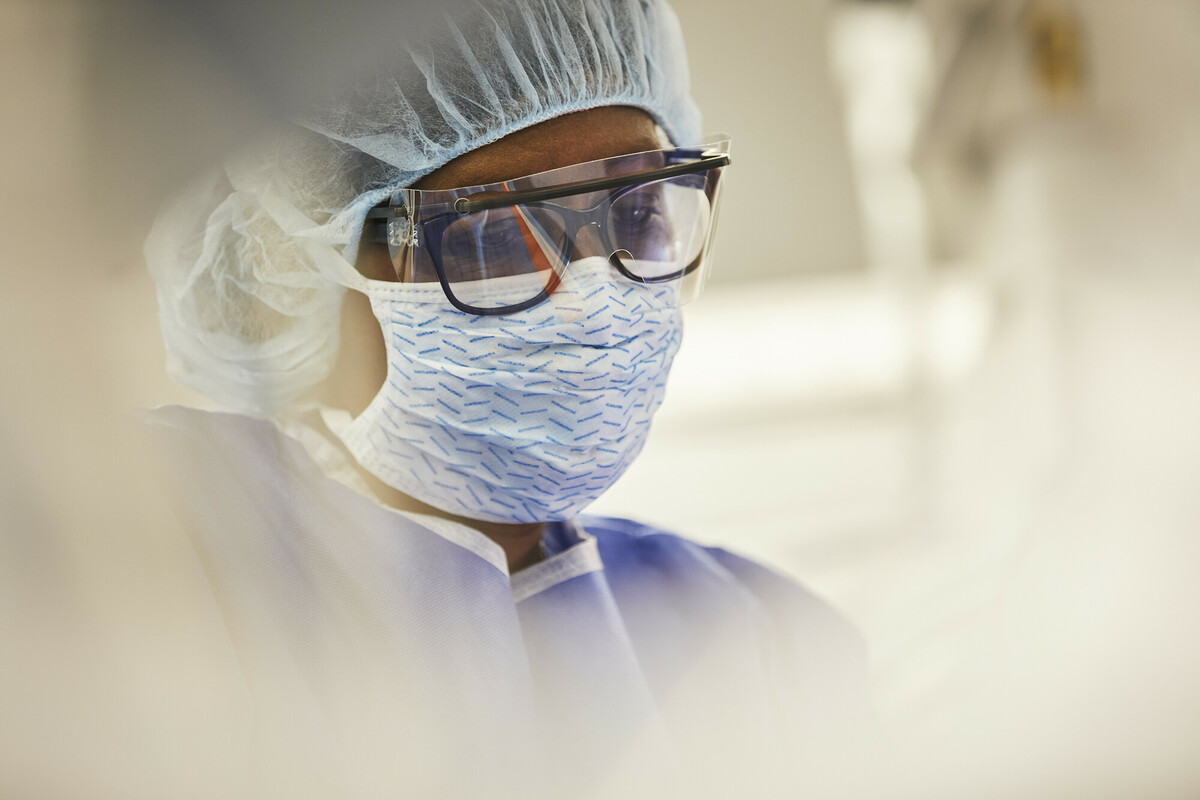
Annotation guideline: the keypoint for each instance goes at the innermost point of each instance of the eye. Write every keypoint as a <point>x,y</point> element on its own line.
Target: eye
<point>635,217</point>
<point>487,235</point>
<point>499,234</point>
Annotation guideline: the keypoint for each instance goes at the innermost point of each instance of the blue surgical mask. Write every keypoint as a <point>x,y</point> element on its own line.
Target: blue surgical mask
<point>526,417</point>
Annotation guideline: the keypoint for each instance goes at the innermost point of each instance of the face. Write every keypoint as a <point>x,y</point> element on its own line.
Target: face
<point>560,142</point>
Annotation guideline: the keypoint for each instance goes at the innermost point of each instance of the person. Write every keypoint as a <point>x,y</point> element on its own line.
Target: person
<point>439,316</point>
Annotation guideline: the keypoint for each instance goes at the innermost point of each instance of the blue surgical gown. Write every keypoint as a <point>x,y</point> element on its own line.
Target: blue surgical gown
<point>383,651</point>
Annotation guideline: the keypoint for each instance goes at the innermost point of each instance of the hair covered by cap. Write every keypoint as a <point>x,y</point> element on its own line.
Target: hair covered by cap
<point>248,264</point>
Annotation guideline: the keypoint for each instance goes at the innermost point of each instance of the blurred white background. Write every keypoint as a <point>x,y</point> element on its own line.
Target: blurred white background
<point>975,430</point>
<point>945,373</point>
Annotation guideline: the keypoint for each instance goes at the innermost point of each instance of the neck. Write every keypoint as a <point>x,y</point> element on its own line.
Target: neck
<point>520,541</point>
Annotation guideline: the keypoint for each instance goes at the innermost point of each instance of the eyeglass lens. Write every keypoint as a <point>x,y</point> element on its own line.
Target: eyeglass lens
<point>508,255</point>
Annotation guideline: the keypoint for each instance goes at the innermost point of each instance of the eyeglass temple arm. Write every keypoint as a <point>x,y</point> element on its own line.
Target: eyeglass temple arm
<point>465,205</point>
<point>375,226</point>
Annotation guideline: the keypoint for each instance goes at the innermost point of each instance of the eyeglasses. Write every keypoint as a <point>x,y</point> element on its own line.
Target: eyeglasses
<point>506,247</point>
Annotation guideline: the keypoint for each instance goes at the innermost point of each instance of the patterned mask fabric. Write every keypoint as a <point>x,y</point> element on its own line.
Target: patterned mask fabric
<point>527,417</point>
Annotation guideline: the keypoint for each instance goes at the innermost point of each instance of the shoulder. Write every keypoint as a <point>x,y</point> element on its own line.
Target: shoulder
<point>208,430</point>
<point>233,469</point>
<point>232,444</point>
<point>677,595</point>
<point>634,551</point>
<point>623,542</point>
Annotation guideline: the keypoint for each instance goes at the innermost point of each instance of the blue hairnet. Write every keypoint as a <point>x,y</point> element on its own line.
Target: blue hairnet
<point>248,263</point>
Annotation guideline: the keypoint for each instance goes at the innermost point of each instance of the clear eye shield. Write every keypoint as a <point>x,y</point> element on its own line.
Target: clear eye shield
<point>506,247</point>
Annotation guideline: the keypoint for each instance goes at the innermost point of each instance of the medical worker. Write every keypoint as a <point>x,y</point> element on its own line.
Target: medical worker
<point>440,314</point>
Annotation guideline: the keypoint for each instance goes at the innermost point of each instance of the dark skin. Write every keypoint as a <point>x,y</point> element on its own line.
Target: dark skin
<point>572,139</point>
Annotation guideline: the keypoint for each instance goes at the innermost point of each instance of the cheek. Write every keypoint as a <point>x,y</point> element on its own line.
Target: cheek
<point>361,366</point>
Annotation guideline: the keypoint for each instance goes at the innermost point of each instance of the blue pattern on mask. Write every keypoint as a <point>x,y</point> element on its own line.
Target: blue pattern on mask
<point>521,418</point>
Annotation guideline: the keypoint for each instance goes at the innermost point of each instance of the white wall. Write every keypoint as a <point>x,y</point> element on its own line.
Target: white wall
<point>760,72</point>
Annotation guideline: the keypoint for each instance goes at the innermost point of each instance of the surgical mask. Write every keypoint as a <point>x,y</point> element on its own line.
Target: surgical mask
<point>524,417</point>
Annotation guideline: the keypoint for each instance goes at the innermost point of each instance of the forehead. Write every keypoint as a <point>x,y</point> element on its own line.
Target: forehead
<point>560,142</point>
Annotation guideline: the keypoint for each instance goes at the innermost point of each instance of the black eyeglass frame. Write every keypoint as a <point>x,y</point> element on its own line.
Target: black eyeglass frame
<point>433,227</point>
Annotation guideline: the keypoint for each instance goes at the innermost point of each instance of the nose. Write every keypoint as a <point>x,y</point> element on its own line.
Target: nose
<point>588,243</point>
<point>569,297</point>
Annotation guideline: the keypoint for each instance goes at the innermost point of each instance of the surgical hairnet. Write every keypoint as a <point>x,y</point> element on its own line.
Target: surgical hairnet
<point>249,263</point>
